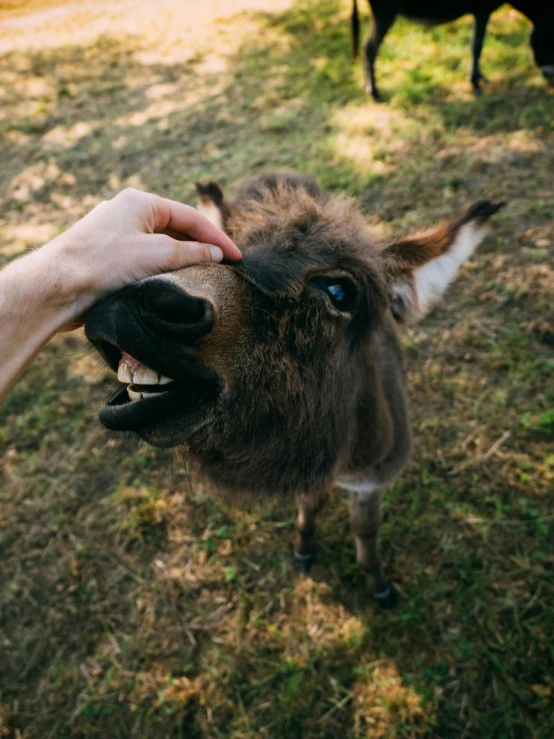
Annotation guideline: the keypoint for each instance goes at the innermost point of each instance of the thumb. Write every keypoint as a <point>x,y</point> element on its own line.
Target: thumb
<point>165,254</point>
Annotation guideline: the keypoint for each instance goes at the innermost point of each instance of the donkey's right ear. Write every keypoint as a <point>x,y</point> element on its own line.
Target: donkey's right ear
<point>212,204</point>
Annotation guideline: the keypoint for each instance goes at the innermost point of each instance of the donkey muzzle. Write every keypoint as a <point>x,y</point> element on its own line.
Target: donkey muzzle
<point>148,333</point>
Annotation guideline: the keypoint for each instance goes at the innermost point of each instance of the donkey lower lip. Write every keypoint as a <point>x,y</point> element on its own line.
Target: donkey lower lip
<point>180,404</point>
<point>152,404</point>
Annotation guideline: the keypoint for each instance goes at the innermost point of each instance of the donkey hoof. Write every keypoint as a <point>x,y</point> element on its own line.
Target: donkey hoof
<point>304,562</point>
<point>386,598</point>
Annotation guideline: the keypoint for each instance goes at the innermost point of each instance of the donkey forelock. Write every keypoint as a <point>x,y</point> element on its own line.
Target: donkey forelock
<point>289,232</point>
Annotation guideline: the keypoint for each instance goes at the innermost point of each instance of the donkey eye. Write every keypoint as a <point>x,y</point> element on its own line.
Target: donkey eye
<point>341,291</point>
<point>337,293</point>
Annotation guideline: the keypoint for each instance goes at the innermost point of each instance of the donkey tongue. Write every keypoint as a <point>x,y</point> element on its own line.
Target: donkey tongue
<point>131,361</point>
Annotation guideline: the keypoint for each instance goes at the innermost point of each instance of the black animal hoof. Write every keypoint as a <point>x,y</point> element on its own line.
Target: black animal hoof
<point>387,598</point>
<point>304,562</point>
<point>477,91</point>
<point>375,94</point>
<point>548,74</point>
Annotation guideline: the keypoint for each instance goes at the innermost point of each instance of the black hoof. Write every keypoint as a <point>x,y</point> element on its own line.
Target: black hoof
<point>387,598</point>
<point>304,562</point>
<point>477,91</point>
<point>375,94</point>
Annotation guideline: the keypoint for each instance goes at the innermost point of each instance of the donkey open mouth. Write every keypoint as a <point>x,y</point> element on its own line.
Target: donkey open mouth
<point>144,322</point>
<point>283,374</point>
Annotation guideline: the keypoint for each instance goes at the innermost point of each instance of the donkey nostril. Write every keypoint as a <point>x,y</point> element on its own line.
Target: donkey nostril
<point>166,305</point>
<point>180,308</point>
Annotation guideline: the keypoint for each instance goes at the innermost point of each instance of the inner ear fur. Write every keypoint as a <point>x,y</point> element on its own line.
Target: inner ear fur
<point>420,267</point>
<point>212,204</point>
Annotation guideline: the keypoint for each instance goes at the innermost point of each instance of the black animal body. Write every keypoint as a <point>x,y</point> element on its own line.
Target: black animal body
<point>435,12</point>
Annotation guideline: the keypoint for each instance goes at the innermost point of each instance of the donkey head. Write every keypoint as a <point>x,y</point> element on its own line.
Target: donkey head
<point>262,371</point>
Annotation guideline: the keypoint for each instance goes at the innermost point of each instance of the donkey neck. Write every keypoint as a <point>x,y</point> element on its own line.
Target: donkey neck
<point>381,440</point>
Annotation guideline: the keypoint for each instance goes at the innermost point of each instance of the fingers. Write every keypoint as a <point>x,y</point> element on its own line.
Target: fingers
<point>188,221</point>
<point>177,235</point>
<point>161,215</point>
<point>166,254</point>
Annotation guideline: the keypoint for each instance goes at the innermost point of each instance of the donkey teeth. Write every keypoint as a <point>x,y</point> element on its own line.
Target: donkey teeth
<point>124,373</point>
<point>141,375</point>
<point>134,394</point>
<point>145,376</point>
<point>140,394</point>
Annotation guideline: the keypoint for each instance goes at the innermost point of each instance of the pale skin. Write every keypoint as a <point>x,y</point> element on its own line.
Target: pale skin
<point>132,236</point>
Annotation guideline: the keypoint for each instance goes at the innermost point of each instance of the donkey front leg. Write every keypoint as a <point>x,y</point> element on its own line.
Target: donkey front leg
<point>305,528</point>
<point>479,30</point>
<point>365,519</point>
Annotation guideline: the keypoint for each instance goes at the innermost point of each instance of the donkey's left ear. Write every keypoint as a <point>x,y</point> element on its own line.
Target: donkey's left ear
<point>420,267</point>
<point>212,204</point>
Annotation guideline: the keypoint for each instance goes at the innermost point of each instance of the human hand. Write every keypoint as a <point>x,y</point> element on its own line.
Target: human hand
<point>132,236</point>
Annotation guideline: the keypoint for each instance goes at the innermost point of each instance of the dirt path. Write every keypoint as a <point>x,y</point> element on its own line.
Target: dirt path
<point>33,26</point>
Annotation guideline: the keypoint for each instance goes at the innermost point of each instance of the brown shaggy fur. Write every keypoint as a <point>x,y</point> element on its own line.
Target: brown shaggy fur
<point>309,392</point>
<point>284,390</point>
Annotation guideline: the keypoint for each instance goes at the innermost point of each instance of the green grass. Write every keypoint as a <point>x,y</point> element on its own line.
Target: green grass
<point>133,605</point>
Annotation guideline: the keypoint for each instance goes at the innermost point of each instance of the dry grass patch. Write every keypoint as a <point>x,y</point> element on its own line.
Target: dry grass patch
<point>133,606</point>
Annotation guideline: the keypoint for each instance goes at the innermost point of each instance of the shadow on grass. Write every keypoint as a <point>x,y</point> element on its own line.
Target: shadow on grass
<point>232,123</point>
<point>128,609</point>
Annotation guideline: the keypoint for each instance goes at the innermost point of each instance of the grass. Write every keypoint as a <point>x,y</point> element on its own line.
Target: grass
<point>135,606</point>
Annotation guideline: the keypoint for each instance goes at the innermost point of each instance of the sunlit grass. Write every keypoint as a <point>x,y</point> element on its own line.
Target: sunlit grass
<point>137,605</point>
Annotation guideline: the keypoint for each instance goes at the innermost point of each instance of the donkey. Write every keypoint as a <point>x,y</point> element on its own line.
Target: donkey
<point>282,374</point>
<point>433,12</point>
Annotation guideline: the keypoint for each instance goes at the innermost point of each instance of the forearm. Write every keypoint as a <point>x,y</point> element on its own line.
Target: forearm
<point>32,309</point>
<point>123,240</point>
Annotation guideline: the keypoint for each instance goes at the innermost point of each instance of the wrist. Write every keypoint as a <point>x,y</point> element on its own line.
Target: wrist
<point>29,316</point>
<point>68,290</point>
<point>76,276</point>
<point>33,295</point>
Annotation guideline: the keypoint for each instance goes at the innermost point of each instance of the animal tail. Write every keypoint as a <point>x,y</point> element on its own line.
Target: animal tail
<point>355,25</point>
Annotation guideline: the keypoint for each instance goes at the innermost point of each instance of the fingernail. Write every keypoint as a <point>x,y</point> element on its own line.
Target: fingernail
<point>217,253</point>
